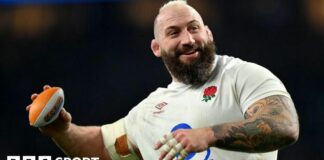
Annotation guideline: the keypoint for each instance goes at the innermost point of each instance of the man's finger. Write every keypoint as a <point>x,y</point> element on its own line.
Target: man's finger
<point>180,157</point>
<point>163,140</point>
<point>166,148</point>
<point>28,107</point>
<point>175,148</point>
<point>172,142</point>
<point>163,154</point>
<point>33,96</point>
<point>183,153</point>
<point>178,147</point>
<point>46,87</point>
<point>171,153</point>
<point>66,116</point>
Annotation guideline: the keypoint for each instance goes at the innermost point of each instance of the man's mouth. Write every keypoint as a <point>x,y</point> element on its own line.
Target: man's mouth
<point>189,52</point>
<point>189,56</point>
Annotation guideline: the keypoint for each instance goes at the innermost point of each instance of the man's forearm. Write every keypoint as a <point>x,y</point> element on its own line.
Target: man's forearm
<point>270,124</point>
<point>79,141</point>
<point>250,136</point>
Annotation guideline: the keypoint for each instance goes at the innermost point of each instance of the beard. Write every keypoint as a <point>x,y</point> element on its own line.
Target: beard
<point>194,73</point>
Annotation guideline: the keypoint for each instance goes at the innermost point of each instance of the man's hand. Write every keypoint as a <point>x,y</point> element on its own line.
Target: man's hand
<point>184,141</point>
<point>60,125</point>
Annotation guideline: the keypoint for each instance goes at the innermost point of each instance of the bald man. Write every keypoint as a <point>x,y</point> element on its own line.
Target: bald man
<point>217,107</point>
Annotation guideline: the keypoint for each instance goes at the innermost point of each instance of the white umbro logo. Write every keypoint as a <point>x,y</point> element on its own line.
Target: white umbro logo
<point>160,107</point>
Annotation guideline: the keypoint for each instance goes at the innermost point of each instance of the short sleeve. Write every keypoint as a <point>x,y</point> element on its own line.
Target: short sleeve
<point>131,125</point>
<point>254,82</point>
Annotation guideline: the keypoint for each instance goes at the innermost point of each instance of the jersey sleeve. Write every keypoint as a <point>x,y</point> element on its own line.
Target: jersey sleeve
<point>254,82</point>
<point>131,125</point>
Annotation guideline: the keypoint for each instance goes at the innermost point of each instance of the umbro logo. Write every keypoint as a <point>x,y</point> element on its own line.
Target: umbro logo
<point>160,107</point>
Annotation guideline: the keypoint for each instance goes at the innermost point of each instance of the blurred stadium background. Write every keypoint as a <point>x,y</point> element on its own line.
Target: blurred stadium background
<point>99,52</point>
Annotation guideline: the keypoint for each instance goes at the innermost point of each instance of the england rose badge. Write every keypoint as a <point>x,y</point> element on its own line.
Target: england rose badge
<point>209,93</point>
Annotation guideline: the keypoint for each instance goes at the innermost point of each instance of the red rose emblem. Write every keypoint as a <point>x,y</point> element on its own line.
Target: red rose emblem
<point>209,93</point>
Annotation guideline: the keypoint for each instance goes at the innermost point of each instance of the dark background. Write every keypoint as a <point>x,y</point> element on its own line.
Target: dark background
<point>99,53</point>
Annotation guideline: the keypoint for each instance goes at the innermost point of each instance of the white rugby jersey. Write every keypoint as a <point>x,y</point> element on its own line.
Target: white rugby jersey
<point>232,88</point>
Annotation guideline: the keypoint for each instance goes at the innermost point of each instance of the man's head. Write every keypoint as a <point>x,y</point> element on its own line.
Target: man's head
<point>184,42</point>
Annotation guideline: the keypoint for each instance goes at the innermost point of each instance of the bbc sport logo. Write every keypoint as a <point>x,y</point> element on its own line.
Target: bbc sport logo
<point>14,157</point>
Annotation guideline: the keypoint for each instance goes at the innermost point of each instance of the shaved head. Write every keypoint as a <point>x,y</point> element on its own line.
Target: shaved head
<point>170,9</point>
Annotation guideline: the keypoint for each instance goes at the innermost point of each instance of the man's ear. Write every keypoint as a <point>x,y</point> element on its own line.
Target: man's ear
<point>209,33</point>
<point>156,48</point>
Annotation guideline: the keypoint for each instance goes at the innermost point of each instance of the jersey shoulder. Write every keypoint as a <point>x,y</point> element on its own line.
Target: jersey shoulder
<point>232,66</point>
<point>226,65</point>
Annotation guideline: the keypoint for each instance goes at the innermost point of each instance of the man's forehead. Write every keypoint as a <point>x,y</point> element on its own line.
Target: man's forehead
<point>176,14</point>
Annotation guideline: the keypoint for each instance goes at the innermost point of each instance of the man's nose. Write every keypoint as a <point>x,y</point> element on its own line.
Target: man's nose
<point>187,39</point>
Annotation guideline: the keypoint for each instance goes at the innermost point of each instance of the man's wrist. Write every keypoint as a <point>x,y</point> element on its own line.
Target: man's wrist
<point>210,136</point>
<point>63,133</point>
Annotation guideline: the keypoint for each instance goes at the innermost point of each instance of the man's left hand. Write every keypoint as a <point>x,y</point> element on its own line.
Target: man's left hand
<point>184,141</point>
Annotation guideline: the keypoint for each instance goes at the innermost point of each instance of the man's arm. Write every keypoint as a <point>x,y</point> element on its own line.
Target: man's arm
<point>270,123</point>
<point>80,141</point>
<point>74,140</point>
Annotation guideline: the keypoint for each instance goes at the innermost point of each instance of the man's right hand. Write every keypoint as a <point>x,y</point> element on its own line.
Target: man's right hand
<point>57,127</point>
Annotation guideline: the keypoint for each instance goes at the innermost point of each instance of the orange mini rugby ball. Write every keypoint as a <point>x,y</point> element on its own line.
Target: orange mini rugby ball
<point>46,107</point>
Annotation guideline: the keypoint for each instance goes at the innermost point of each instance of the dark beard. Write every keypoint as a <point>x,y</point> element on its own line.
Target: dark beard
<point>195,73</point>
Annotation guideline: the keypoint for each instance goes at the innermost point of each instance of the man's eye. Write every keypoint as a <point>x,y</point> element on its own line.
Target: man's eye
<point>173,33</point>
<point>194,28</point>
